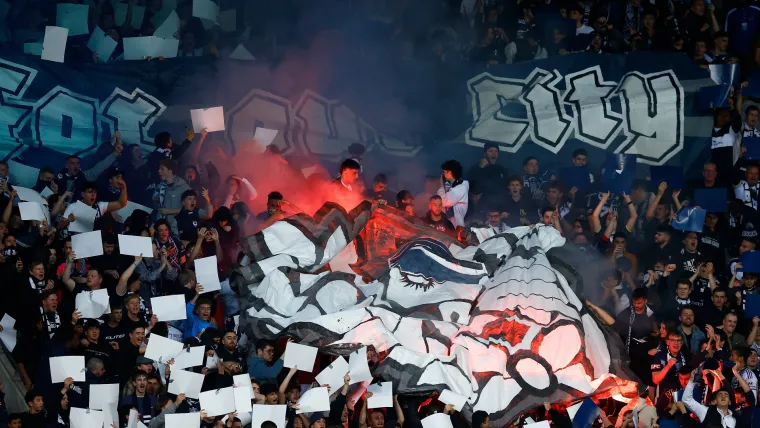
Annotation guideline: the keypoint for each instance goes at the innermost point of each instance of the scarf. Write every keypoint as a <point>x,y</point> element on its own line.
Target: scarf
<point>747,194</point>
<point>51,325</point>
<point>38,286</point>
<point>632,21</point>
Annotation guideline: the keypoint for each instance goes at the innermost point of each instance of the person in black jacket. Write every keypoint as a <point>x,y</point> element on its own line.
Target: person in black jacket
<point>35,417</point>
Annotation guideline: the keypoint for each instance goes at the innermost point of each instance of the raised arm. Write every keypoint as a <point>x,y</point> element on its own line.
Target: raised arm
<point>594,222</point>
<point>122,201</point>
<point>285,382</point>
<point>656,200</point>
<point>688,399</point>
<point>9,208</point>
<point>399,412</point>
<point>93,173</point>
<point>633,216</point>
<point>197,148</point>
<point>121,287</point>
<point>66,278</point>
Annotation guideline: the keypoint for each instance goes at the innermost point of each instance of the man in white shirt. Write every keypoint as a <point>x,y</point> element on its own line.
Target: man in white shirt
<point>454,192</point>
<point>718,414</point>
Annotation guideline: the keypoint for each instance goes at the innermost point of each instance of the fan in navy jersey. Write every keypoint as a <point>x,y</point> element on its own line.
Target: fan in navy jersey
<point>189,217</point>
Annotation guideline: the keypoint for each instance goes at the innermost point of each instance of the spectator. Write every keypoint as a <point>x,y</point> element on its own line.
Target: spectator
<point>168,193</point>
<point>263,366</point>
<point>453,192</point>
<point>488,175</point>
<point>518,208</point>
<point>435,218</point>
<point>72,178</point>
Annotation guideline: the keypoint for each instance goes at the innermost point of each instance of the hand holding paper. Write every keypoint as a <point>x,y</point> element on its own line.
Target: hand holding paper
<point>301,357</point>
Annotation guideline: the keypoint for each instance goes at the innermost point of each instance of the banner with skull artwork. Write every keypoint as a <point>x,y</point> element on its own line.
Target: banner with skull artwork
<point>503,322</point>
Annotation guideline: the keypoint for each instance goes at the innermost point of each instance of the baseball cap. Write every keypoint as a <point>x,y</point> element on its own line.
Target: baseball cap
<point>114,171</point>
<point>142,360</point>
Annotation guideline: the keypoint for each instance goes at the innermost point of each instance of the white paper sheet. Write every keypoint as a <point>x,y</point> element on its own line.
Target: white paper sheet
<point>357,364</point>
<point>65,367</point>
<point>183,420</point>
<point>183,381</point>
<point>32,211</point>
<point>218,401</point>
<point>437,420</point>
<point>23,174</point>
<point>88,244</point>
<point>73,17</point>
<point>46,192</point>
<point>206,274</point>
<point>211,362</point>
<point>265,136</point>
<point>85,418</point>
<point>135,246</point>
<point>242,54</point>
<point>206,9</point>
<point>450,397</point>
<point>138,14</point>
<point>333,374</point>
<point>131,207</point>
<point>165,47</point>
<point>8,335</point>
<point>169,308</point>
<point>84,217</point>
<point>314,400</point>
<point>161,349</point>
<point>300,356</point>
<point>92,304</point>
<point>102,44</point>
<point>132,421</point>
<point>168,27</point>
<point>119,12</point>
<point>101,395</point>
<point>572,410</point>
<point>262,413</point>
<point>243,393</point>
<point>228,20</point>
<point>211,118</point>
<point>29,195</point>
<point>308,171</point>
<point>111,415</point>
<point>191,357</point>
<point>382,395</point>
<point>54,44</point>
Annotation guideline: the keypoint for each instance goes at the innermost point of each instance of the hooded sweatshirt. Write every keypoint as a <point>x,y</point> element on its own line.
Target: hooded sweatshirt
<point>170,196</point>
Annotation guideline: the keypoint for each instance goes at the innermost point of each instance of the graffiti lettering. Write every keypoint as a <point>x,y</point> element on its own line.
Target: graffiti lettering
<point>509,111</point>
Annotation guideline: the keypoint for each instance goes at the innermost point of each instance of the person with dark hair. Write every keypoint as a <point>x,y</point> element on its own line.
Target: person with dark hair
<point>189,217</point>
<point>235,185</point>
<point>168,193</point>
<point>379,191</point>
<point>274,205</point>
<point>480,420</point>
<point>667,363</point>
<point>140,399</point>
<point>518,208</point>
<point>263,366</point>
<point>405,202</point>
<point>165,148</point>
<point>454,192</point>
<point>435,217</point>
<point>347,186</point>
<point>726,139</point>
<point>72,178</point>
<point>635,325</point>
<point>35,417</point>
<point>714,311</point>
<point>198,315</point>
<point>89,196</point>
<point>718,413</point>
<point>165,406</point>
<point>691,334</point>
<point>488,175</point>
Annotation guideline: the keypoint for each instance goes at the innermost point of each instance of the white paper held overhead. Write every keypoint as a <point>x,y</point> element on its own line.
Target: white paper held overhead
<point>190,357</point>
<point>183,420</point>
<point>207,274</point>
<point>300,356</point>
<point>169,308</point>
<point>218,401</point>
<point>450,397</point>
<point>161,349</point>
<point>32,211</point>
<point>88,244</point>
<point>103,394</point>
<point>189,383</point>
<point>357,365</point>
<point>210,118</point>
<point>314,400</point>
<point>382,395</point>
<point>84,217</point>
<point>8,335</point>
<point>265,136</point>
<point>135,246</point>
<point>241,53</point>
<point>262,413</point>
<point>334,373</point>
<point>73,17</point>
<point>62,368</point>
<point>437,420</point>
<point>206,9</point>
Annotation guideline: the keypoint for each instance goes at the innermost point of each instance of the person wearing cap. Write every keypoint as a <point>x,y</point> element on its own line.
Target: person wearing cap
<point>112,191</point>
<point>317,420</point>
<point>487,175</point>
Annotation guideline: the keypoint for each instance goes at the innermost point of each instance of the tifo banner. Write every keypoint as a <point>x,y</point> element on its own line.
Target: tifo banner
<point>639,103</point>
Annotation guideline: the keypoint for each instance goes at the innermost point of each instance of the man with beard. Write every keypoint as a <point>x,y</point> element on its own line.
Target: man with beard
<point>488,175</point>
<point>691,334</point>
<point>635,325</point>
<point>703,283</point>
<point>229,350</point>
<point>434,217</point>
<point>534,181</point>
<point>662,249</point>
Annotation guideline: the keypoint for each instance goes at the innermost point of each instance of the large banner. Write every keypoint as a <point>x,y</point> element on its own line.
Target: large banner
<point>635,103</point>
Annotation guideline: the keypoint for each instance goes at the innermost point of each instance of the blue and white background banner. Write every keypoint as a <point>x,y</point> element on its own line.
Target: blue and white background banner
<point>642,103</point>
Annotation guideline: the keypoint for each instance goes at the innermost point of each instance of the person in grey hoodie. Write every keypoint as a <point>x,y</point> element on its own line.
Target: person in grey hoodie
<point>168,193</point>
<point>165,406</point>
